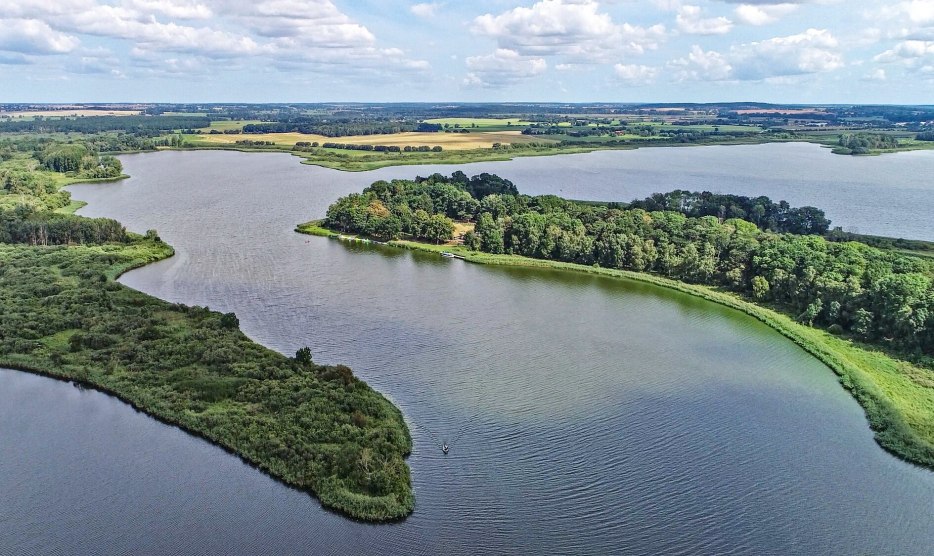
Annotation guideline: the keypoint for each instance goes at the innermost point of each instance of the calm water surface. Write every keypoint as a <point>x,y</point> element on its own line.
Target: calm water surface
<point>890,195</point>
<point>585,415</point>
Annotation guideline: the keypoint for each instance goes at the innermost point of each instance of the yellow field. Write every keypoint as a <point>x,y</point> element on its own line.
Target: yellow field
<point>69,113</point>
<point>448,141</point>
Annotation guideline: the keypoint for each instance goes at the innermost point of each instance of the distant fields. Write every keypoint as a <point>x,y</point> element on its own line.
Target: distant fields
<point>479,122</point>
<point>31,114</point>
<point>448,141</point>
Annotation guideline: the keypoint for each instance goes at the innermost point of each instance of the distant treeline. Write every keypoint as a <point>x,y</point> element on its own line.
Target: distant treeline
<point>761,211</point>
<point>874,295</point>
<point>97,124</point>
<point>382,148</point>
<point>332,128</point>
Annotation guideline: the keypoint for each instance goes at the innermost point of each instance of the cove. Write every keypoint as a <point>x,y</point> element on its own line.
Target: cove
<point>595,415</point>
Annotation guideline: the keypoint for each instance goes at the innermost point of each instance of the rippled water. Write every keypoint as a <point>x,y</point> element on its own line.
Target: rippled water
<point>586,415</point>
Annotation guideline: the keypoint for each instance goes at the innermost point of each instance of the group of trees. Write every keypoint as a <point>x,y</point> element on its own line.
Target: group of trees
<point>78,159</point>
<point>761,211</point>
<point>864,143</point>
<point>872,294</point>
<point>26,225</point>
<point>382,148</point>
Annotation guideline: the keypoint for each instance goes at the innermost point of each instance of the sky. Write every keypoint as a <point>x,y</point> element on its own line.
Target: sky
<point>783,51</point>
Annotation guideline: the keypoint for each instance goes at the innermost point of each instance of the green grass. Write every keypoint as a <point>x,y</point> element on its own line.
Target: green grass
<point>896,395</point>
<point>226,125</point>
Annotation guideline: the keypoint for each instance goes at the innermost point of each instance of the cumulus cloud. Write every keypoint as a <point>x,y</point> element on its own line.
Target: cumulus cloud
<point>31,36</point>
<point>425,9</point>
<point>877,74</point>
<point>813,51</point>
<point>572,28</point>
<point>314,32</point>
<point>502,68</point>
<point>177,9</point>
<point>700,65</point>
<point>691,22</point>
<point>916,56</point>
<point>633,74</point>
<point>762,14</point>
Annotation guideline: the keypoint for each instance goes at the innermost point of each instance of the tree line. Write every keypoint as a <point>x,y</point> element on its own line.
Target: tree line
<point>98,124</point>
<point>330,127</point>
<point>847,287</point>
<point>761,211</point>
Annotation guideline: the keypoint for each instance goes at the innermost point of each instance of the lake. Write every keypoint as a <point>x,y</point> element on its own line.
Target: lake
<point>585,415</point>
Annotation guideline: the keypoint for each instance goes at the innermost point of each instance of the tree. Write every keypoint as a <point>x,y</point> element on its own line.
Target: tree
<point>303,356</point>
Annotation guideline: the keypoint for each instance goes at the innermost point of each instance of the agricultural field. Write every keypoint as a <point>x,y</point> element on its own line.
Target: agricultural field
<point>481,123</point>
<point>32,114</point>
<point>226,125</point>
<point>448,141</point>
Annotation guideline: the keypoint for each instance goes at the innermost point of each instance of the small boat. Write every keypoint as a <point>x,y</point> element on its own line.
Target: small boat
<point>447,255</point>
<point>445,448</point>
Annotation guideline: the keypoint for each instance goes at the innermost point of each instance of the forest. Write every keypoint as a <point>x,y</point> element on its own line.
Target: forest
<point>316,427</point>
<point>761,211</point>
<point>331,127</point>
<point>847,288</point>
<point>97,124</point>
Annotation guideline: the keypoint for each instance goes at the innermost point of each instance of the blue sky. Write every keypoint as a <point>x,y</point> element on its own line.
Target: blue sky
<point>793,51</point>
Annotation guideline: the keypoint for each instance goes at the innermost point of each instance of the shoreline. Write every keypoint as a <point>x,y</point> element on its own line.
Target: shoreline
<point>329,488</point>
<point>367,162</point>
<point>855,366</point>
<point>334,501</point>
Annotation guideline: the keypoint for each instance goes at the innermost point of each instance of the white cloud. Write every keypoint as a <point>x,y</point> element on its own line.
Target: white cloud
<point>314,33</point>
<point>502,68</point>
<point>701,65</point>
<point>813,51</point>
<point>765,14</point>
<point>689,21</point>
<point>877,74</point>
<point>633,74</point>
<point>571,28</point>
<point>30,36</point>
<point>180,9</point>
<point>915,55</point>
<point>425,9</point>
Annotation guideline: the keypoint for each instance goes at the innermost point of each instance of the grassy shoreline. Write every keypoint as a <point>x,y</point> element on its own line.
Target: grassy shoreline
<point>897,404</point>
<point>362,161</point>
<point>237,421</point>
<point>317,428</point>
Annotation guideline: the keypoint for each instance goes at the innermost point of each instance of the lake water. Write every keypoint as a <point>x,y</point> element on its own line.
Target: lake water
<point>585,415</point>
